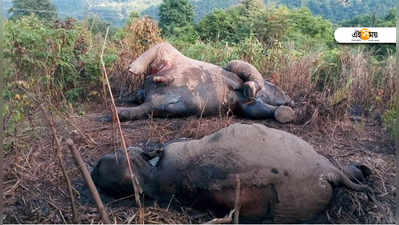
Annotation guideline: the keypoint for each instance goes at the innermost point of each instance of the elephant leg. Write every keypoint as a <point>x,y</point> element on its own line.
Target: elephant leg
<point>260,110</point>
<point>256,110</point>
<point>253,80</point>
<point>274,95</point>
<point>173,106</point>
<point>136,98</point>
<point>134,113</point>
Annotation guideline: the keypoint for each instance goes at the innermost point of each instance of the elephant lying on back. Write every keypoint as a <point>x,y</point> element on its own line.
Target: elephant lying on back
<point>178,86</point>
<point>282,179</point>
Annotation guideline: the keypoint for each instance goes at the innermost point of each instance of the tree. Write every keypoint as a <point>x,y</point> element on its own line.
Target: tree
<point>44,9</point>
<point>226,25</point>
<point>174,14</point>
<point>252,5</point>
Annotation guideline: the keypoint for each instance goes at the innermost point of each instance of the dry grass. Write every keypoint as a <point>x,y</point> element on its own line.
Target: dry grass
<point>329,90</point>
<point>140,35</point>
<point>36,193</point>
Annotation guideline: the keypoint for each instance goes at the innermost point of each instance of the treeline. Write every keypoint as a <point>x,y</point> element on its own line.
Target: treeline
<point>334,10</point>
<point>338,10</point>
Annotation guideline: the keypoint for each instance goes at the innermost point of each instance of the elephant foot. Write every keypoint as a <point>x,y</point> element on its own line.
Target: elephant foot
<point>250,88</point>
<point>284,114</point>
<point>134,113</point>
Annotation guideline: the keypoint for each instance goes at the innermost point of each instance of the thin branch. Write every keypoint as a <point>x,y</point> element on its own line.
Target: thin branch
<point>86,175</point>
<point>224,220</point>
<point>75,216</point>
<point>237,203</point>
<point>136,186</point>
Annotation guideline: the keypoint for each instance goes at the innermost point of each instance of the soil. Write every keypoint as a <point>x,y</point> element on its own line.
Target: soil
<point>36,192</point>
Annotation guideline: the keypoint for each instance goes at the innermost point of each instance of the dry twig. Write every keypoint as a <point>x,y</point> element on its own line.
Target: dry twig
<point>136,186</point>
<point>227,219</point>
<point>75,216</point>
<point>237,203</point>
<point>86,175</point>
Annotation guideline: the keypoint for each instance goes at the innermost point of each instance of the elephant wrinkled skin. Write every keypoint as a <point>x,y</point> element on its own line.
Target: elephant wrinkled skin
<point>176,86</point>
<point>282,179</point>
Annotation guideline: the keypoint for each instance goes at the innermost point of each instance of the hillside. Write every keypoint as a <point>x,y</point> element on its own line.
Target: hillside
<point>116,11</point>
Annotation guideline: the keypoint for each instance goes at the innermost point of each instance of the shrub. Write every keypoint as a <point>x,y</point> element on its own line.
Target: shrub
<point>390,118</point>
<point>56,63</point>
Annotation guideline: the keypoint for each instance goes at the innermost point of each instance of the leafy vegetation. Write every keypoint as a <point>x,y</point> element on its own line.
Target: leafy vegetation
<point>267,25</point>
<point>48,63</point>
<point>338,10</point>
<point>390,119</point>
<point>116,12</point>
<point>175,14</point>
<point>44,9</point>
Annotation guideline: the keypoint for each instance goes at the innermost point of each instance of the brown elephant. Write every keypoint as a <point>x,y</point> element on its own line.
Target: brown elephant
<point>178,86</point>
<point>282,179</point>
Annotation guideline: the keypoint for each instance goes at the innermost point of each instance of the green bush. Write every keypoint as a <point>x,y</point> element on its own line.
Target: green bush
<point>185,34</point>
<point>224,25</point>
<point>57,63</point>
<point>390,119</point>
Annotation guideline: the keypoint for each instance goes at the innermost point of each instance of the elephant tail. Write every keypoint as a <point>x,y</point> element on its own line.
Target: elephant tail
<point>338,178</point>
<point>345,181</point>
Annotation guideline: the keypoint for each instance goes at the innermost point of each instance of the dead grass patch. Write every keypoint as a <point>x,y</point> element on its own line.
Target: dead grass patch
<point>36,193</point>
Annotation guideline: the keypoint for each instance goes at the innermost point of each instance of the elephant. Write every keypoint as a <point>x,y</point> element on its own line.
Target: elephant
<point>178,86</point>
<point>282,179</point>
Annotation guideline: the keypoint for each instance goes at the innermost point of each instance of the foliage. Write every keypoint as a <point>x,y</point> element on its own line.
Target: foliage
<point>390,118</point>
<point>309,30</point>
<point>175,13</point>
<point>223,25</point>
<point>117,12</point>
<point>187,34</point>
<point>54,63</point>
<point>336,10</point>
<point>97,26</point>
<point>267,25</point>
<point>44,9</point>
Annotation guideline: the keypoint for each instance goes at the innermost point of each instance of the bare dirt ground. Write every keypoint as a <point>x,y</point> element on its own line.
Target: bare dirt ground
<point>36,191</point>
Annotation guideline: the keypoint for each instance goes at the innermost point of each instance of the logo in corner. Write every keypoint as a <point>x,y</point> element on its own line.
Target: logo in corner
<point>364,34</point>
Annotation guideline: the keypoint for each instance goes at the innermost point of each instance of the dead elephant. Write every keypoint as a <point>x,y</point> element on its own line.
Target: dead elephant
<point>282,179</point>
<point>179,86</point>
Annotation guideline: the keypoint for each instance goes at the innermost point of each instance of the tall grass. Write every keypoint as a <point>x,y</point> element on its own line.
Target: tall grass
<point>326,83</point>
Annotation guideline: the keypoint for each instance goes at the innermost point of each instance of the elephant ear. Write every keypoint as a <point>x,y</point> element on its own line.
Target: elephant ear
<point>154,156</point>
<point>152,153</point>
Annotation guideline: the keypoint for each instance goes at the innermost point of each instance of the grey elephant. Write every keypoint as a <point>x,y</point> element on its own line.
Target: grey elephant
<point>177,86</point>
<point>282,179</point>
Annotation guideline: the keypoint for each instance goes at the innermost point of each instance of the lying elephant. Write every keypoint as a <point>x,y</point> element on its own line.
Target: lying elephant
<point>179,86</point>
<point>282,179</point>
